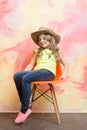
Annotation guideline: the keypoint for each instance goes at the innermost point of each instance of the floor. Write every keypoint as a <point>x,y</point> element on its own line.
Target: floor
<point>45,121</point>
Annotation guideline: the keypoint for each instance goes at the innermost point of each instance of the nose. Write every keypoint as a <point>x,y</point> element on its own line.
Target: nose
<point>41,41</point>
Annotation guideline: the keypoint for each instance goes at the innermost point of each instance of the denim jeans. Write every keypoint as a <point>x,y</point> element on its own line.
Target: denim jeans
<point>23,83</point>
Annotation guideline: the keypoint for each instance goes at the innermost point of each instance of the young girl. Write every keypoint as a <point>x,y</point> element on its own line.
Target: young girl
<point>44,59</point>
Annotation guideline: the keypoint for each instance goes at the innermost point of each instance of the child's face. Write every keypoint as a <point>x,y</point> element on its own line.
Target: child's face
<point>44,41</point>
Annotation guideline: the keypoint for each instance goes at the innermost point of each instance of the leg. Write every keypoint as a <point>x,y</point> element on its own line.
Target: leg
<point>26,91</point>
<point>18,82</point>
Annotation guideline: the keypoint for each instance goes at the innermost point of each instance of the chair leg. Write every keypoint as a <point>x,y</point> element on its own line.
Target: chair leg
<point>55,103</point>
<point>32,95</point>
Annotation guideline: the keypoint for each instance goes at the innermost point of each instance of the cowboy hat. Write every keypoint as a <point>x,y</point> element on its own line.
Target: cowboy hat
<point>44,30</point>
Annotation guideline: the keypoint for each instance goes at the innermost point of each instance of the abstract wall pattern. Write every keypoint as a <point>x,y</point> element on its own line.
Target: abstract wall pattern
<point>18,18</point>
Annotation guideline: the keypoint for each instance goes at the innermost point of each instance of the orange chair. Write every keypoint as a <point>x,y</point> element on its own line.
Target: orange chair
<point>52,98</point>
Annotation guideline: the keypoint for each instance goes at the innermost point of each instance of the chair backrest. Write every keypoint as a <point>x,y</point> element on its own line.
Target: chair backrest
<point>58,71</point>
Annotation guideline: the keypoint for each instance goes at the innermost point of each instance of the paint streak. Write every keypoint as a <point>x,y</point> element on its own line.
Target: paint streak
<point>18,18</point>
<point>6,7</point>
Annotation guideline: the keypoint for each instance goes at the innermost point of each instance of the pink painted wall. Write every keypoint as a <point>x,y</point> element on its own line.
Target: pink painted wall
<point>18,18</point>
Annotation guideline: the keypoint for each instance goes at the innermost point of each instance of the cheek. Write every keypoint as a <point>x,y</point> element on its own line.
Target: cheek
<point>48,43</point>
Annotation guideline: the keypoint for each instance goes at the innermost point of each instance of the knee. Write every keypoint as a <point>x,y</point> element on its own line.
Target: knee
<point>26,79</point>
<point>15,76</point>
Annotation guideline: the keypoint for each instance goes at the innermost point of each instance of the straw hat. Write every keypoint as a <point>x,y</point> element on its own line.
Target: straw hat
<point>44,30</point>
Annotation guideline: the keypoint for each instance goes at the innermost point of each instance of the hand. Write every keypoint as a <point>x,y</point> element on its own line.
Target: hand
<point>63,76</point>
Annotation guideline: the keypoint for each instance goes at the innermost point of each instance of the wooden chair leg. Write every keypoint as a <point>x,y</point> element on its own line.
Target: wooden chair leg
<point>32,95</point>
<point>55,103</point>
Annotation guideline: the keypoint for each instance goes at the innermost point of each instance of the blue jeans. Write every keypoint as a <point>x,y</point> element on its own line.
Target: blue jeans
<point>23,83</point>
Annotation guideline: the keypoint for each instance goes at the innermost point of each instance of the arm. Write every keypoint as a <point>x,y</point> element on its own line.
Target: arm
<point>65,69</point>
<point>64,66</point>
<point>32,62</point>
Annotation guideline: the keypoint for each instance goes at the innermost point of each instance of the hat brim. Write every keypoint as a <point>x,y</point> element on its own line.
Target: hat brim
<point>35,35</point>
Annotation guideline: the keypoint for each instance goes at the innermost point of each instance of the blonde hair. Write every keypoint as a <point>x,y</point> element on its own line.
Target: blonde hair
<point>52,46</point>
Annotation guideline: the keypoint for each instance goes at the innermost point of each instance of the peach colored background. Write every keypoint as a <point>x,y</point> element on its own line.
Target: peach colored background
<point>18,18</point>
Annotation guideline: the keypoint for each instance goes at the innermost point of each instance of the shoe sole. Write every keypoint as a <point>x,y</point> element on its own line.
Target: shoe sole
<point>20,123</point>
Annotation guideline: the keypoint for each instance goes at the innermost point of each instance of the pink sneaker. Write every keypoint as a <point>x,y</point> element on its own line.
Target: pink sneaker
<point>21,116</point>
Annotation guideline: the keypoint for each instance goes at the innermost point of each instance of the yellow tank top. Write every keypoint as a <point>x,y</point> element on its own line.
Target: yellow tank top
<point>45,60</point>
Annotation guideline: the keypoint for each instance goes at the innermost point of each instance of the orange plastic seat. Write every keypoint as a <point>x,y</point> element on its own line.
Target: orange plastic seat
<point>52,98</point>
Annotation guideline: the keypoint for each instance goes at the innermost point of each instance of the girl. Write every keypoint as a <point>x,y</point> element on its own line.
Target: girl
<point>44,62</point>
